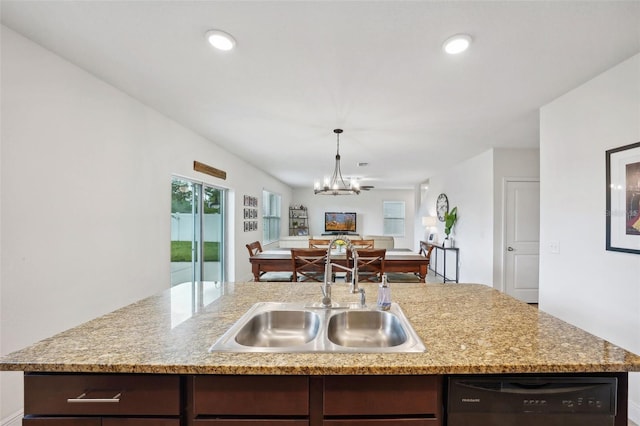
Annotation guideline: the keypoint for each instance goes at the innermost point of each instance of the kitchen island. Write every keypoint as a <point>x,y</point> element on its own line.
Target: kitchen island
<point>467,329</point>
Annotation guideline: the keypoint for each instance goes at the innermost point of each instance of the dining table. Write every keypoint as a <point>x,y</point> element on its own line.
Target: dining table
<point>396,260</point>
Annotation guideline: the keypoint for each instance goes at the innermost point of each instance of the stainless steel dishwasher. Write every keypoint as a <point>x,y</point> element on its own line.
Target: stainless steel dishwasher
<point>531,401</point>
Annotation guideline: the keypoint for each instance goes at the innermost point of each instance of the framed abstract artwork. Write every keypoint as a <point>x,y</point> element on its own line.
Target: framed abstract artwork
<point>623,199</point>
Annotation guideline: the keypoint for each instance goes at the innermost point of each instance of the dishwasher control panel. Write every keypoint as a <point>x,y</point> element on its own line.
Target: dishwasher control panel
<point>594,395</point>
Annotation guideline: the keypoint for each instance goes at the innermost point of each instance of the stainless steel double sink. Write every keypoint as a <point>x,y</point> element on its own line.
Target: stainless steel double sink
<point>293,327</point>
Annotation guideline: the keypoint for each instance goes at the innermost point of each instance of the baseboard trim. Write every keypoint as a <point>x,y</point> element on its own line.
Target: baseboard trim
<point>634,412</point>
<point>14,419</point>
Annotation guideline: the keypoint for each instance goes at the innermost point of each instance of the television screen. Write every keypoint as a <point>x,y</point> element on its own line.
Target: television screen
<point>339,222</point>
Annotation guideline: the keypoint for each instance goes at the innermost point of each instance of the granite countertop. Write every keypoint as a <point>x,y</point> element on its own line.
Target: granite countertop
<point>467,328</point>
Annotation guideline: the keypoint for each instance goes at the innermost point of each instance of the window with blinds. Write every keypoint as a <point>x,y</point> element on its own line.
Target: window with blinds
<point>393,218</point>
<point>271,213</point>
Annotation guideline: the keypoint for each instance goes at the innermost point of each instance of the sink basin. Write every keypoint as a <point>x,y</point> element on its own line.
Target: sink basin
<point>296,327</point>
<point>366,329</point>
<point>279,329</point>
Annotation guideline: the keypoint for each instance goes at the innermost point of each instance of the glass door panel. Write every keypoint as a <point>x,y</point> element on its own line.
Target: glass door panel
<point>184,221</point>
<point>197,232</point>
<point>213,235</point>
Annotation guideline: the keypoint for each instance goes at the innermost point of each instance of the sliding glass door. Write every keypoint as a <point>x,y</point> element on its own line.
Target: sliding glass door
<point>213,232</point>
<point>197,232</point>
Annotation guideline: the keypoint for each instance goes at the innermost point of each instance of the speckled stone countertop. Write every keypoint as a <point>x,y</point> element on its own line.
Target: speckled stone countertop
<point>466,328</point>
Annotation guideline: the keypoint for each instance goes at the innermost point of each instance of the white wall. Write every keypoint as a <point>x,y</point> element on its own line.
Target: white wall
<point>86,177</point>
<point>368,206</point>
<point>584,284</point>
<point>468,186</point>
<point>476,187</point>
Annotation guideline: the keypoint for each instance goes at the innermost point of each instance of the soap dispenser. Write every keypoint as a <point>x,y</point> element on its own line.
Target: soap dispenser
<point>384,294</point>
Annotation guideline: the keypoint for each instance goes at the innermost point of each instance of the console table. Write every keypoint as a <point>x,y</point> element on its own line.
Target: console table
<point>445,252</point>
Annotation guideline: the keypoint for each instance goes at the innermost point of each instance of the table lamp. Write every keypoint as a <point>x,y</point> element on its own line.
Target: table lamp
<point>430,222</point>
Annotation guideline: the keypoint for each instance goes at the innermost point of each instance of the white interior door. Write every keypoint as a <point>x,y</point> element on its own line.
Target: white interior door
<point>522,239</point>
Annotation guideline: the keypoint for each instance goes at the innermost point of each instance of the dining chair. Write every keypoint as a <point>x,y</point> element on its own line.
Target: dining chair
<point>412,277</point>
<point>425,249</point>
<point>362,244</point>
<point>308,264</point>
<point>255,248</point>
<point>358,245</point>
<point>319,243</point>
<point>370,263</point>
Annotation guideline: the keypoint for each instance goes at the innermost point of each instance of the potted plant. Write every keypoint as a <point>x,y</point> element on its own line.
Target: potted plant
<point>450,219</point>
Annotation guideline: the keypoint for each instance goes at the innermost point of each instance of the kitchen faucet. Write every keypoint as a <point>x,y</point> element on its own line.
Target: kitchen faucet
<point>328,272</point>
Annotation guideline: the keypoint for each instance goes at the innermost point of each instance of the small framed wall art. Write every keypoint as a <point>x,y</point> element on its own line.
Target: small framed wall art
<point>250,213</point>
<point>249,201</point>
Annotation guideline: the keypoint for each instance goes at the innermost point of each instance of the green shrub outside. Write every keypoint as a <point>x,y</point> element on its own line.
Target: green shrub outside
<point>181,251</point>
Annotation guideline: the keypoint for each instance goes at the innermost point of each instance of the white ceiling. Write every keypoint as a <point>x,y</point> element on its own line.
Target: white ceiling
<point>375,69</point>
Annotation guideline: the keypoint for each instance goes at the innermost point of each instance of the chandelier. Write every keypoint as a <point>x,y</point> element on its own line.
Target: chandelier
<point>336,185</point>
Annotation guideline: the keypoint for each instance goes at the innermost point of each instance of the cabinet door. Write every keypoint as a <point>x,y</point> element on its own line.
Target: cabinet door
<point>61,421</point>
<point>251,395</point>
<point>101,394</point>
<point>382,395</point>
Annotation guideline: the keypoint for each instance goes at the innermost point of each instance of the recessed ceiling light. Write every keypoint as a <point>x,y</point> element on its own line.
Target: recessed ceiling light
<point>457,44</point>
<point>220,40</point>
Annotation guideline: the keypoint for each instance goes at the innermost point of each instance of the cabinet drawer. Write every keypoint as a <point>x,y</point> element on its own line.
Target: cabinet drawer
<point>383,422</point>
<point>140,422</point>
<point>251,395</point>
<point>97,421</point>
<point>258,422</point>
<point>61,421</point>
<point>101,394</point>
<point>382,395</point>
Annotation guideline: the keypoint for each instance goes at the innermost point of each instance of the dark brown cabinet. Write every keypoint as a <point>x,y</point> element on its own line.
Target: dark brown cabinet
<point>396,400</point>
<point>248,400</point>
<point>383,422</point>
<point>258,422</point>
<point>61,400</point>
<point>315,401</point>
<point>225,400</point>
<point>45,421</point>
<point>98,421</point>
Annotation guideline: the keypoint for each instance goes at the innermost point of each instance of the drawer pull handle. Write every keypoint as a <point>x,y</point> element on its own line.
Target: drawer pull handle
<point>82,398</point>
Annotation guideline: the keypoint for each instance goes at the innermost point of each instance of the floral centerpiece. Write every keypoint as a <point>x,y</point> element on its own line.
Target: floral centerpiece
<point>341,245</point>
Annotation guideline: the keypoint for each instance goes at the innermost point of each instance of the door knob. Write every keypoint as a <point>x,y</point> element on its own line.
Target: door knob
<point>510,249</point>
